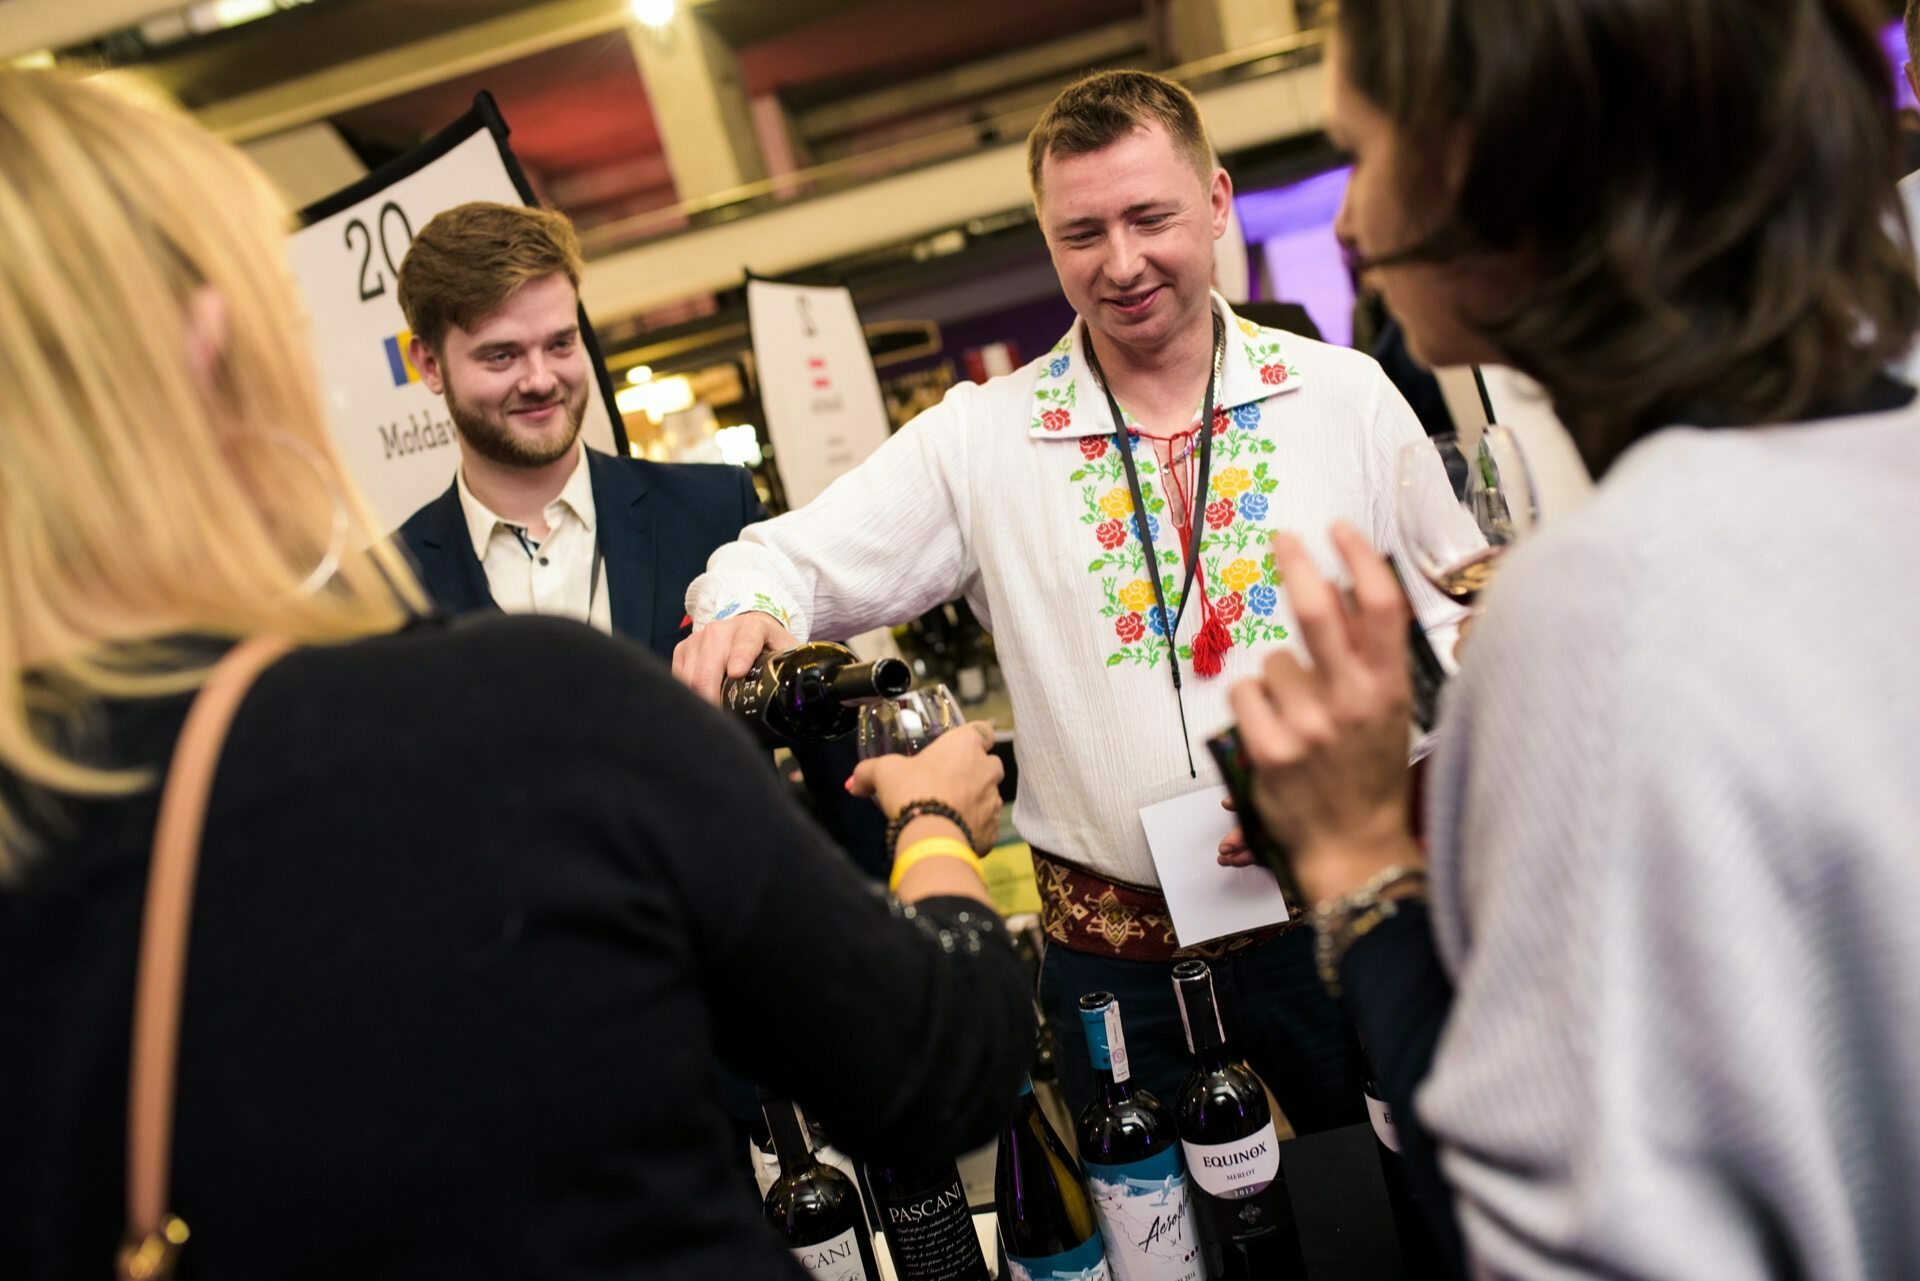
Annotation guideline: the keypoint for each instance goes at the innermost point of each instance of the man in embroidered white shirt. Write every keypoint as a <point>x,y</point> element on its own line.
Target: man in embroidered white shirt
<point>1015,494</point>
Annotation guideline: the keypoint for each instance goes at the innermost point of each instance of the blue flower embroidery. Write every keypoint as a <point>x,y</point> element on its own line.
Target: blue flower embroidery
<point>1153,527</point>
<point>1058,367</point>
<point>1156,621</point>
<point>1247,417</point>
<point>1261,598</point>
<point>727,611</point>
<point>1253,506</point>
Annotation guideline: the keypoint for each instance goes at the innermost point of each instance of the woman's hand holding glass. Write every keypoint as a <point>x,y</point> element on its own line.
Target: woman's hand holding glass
<point>1328,741</point>
<point>956,768</point>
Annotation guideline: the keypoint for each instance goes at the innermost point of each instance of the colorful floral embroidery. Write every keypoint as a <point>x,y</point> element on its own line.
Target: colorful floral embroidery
<point>1053,410</point>
<point>1241,580</point>
<point>762,604</point>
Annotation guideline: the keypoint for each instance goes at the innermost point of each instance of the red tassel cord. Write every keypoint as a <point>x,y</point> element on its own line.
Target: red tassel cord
<point>1213,640</point>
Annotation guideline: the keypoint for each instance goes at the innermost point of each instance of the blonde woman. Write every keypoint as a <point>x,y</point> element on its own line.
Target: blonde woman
<point>460,969</point>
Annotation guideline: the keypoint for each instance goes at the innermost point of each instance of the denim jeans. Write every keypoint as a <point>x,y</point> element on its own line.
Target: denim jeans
<point>1277,1017</point>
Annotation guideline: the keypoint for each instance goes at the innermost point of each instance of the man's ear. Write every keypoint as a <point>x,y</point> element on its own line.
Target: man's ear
<point>206,337</point>
<point>1220,201</point>
<point>424,360</point>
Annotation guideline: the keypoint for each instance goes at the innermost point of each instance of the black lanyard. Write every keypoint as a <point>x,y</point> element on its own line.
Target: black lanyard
<point>1196,503</point>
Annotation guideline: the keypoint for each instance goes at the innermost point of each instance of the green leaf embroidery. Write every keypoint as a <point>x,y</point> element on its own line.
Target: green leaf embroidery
<point>1114,660</point>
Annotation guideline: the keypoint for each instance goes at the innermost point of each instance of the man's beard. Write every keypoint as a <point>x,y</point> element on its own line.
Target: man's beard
<point>495,441</point>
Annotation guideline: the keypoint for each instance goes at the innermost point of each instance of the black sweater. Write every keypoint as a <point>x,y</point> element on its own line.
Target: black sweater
<point>479,910</point>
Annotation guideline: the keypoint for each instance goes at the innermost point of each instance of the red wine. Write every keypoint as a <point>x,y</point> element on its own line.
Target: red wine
<point>1131,1149</point>
<point>1232,1147</point>
<point>1466,579</point>
<point>811,691</point>
<point>815,1207</point>
<point>928,1227</point>
<point>1047,1224</point>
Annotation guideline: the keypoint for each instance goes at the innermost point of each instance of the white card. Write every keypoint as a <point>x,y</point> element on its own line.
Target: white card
<point>1207,901</point>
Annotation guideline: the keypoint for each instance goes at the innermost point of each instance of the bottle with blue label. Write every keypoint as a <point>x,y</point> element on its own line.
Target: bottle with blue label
<point>1131,1148</point>
<point>1046,1218</point>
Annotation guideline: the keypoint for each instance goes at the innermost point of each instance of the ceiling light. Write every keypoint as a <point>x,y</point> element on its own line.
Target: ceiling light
<point>639,374</point>
<point>654,13</point>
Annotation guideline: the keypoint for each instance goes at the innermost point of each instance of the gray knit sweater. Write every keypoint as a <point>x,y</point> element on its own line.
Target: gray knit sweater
<point>1676,863</point>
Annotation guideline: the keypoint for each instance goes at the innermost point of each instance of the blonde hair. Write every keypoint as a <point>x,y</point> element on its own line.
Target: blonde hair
<point>469,260</point>
<point>139,503</point>
<point>1096,111</point>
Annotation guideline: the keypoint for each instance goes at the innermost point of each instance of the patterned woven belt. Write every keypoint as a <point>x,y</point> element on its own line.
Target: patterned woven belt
<point>1086,912</point>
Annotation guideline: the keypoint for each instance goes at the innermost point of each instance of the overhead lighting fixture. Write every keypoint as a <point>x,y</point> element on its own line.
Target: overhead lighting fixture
<point>658,398</point>
<point>739,445</point>
<point>639,374</point>
<point>657,14</point>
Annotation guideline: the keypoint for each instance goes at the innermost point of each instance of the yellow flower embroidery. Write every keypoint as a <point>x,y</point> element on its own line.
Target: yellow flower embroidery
<point>1231,481</point>
<point>1240,575</point>
<point>1247,327</point>
<point>1137,595</point>
<point>1117,504</point>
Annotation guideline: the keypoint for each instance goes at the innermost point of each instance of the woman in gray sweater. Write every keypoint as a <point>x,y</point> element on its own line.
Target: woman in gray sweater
<point>1663,1008</point>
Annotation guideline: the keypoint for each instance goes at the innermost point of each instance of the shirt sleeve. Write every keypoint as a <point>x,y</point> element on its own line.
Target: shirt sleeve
<point>884,543</point>
<point>902,1030</point>
<point>1393,427</point>
<point>1634,1078</point>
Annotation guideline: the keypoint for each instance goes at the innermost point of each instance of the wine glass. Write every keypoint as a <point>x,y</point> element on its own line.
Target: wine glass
<point>1460,503</point>
<point>909,722</point>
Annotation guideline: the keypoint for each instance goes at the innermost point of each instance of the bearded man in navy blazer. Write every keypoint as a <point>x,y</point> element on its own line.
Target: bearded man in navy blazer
<point>534,521</point>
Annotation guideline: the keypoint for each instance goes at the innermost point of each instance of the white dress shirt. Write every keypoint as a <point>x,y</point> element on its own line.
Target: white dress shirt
<point>553,575</point>
<point>1012,494</point>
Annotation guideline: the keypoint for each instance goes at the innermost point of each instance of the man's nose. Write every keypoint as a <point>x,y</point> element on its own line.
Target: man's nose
<point>538,379</point>
<point>1124,259</point>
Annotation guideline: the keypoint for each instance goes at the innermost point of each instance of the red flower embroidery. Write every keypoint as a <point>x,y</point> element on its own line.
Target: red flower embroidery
<point>1221,421</point>
<point>1229,608</point>
<point>1129,628</point>
<point>1273,375</point>
<point>1220,514</point>
<point>1111,534</point>
<point>1055,419</point>
<point>1094,447</point>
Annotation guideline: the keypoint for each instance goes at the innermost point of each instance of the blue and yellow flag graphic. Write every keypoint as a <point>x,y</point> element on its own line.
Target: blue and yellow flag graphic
<point>397,363</point>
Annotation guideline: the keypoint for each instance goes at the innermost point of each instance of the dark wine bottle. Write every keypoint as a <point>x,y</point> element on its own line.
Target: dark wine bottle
<point>1232,1149</point>
<point>811,691</point>
<point>1131,1149</point>
<point>1046,1217</point>
<point>928,1227</point>
<point>815,1207</point>
<point>1419,1253</point>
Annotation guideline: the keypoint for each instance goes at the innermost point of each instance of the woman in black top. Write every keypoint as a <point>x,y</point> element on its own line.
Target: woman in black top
<point>479,907</point>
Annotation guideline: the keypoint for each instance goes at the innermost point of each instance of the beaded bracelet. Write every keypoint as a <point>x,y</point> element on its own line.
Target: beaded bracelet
<point>914,809</point>
<point>1338,925</point>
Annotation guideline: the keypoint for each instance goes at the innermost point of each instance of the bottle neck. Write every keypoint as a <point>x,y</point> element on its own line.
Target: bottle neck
<point>790,1141</point>
<point>1107,1048</point>
<point>1200,1014</point>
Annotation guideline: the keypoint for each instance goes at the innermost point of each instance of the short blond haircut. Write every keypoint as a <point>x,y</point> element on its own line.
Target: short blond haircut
<point>1099,110</point>
<point>139,501</point>
<point>468,261</point>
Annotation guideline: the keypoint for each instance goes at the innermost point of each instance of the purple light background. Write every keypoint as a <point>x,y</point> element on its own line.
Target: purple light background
<point>1294,226</point>
<point>1893,38</point>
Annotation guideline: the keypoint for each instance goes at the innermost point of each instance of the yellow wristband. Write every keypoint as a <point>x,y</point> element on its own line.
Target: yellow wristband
<point>931,847</point>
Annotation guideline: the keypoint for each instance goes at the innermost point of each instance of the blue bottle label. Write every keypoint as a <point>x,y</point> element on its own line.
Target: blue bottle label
<point>1146,1216</point>
<point>1085,1262</point>
<point>1104,1040</point>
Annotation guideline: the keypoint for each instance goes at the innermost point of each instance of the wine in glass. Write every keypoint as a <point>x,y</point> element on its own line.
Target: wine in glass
<point>1460,504</point>
<point>908,722</point>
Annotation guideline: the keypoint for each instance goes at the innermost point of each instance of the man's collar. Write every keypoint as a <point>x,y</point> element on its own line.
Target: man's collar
<point>1068,400</point>
<point>576,495</point>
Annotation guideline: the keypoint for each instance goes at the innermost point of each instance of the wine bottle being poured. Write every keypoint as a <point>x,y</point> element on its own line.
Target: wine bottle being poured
<point>811,691</point>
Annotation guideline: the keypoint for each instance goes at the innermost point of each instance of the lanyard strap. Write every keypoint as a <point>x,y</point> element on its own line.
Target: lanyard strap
<point>1196,504</point>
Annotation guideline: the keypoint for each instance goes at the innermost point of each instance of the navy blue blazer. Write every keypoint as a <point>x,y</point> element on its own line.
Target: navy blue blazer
<point>659,522</point>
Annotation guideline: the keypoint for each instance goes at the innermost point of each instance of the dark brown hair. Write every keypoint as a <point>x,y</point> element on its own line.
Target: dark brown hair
<point>1098,110</point>
<point>1913,28</point>
<point>1699,192</point>
<point>469,260</point>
